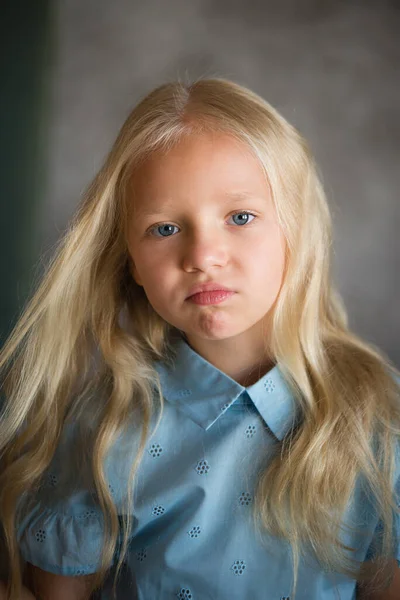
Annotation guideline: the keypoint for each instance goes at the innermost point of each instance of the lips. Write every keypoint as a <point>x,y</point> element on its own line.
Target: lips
<point>209,298</point>
<point>208,287</point>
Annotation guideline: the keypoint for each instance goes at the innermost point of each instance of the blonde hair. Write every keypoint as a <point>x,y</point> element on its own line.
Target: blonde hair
<point>345,388</point>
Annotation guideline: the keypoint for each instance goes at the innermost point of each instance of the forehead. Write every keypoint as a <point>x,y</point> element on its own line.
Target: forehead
<point>203,165</point>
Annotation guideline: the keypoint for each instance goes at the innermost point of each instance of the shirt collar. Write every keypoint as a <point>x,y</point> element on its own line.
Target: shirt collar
<point>204,393</point>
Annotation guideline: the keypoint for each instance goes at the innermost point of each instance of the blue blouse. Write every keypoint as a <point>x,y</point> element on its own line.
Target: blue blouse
<point>193,535</point>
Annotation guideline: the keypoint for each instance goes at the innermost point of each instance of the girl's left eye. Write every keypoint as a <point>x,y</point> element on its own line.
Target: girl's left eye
<point>246,216</point>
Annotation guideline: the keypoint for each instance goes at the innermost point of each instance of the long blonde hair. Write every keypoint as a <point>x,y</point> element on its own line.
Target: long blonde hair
<point>346,388</point>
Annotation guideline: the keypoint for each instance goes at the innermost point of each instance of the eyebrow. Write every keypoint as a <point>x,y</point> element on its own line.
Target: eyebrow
<point>244,195</point>
<point>144,211</point>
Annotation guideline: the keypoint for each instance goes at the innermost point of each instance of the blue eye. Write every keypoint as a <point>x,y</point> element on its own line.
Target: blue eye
<point>245,220</point>
<point>165,228</point>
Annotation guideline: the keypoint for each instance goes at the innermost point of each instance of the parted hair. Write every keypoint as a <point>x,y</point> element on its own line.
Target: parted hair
<point>86,342</point>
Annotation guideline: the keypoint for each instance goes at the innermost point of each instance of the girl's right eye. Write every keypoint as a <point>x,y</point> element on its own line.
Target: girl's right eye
<point>165,228</point>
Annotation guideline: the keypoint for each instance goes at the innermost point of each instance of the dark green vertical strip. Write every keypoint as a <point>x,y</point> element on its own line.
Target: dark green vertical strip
<point>26,58</point>
<point>26,55</point>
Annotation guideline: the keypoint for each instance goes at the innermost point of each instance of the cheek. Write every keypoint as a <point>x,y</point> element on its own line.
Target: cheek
<point>154,272</point>
<point>267,261</point>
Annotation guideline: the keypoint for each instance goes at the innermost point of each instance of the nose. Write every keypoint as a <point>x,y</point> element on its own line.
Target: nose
<point>204,250</point>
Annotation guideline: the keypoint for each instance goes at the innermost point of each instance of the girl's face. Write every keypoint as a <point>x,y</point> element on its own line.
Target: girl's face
<point>187,227</point>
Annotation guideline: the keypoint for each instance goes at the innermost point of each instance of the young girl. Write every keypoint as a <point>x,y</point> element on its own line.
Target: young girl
<point>187,412</point>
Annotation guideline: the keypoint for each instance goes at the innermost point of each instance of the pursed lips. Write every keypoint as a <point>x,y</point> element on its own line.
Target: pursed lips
<point>208,287</point>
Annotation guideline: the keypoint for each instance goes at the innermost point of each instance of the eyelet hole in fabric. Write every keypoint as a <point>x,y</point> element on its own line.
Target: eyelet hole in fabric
<point>40,535</point>
<point>194,532</point>
<point>245,499</point>
<point>53,480</point>
<point>202,467</point>
<point>86,514</point>
<point>238,567</point>
<point>269,385</point>
<point>158,510</point>
<point>141,555</point>
<point>184,594</point>
<point>155,450</point>
<point>184,393</point>
<point>80,572</point>
<point>250,431</point>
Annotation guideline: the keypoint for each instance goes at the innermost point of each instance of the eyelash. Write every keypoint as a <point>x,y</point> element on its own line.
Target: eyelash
<point>240,212</point>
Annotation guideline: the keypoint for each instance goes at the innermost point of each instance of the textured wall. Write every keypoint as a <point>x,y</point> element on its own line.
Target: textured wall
<point>330,67</point>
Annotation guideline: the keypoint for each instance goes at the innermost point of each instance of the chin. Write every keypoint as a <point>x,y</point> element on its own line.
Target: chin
<point>215,333</point>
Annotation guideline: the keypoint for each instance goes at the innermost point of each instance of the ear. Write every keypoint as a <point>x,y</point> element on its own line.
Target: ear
<point>133,271</point>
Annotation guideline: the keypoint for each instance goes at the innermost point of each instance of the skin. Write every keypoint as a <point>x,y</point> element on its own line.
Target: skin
<point>391,593</point>
<point>191,188</point>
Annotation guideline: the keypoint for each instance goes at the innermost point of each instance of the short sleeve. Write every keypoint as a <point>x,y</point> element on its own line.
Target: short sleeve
<point>60,527</point>
<point>65,543</point>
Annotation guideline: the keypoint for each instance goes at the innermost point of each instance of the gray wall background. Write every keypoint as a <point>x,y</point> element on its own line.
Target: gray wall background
<point>330,67</point>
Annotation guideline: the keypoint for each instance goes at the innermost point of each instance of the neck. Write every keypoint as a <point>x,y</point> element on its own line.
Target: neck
<point>245,366</point>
